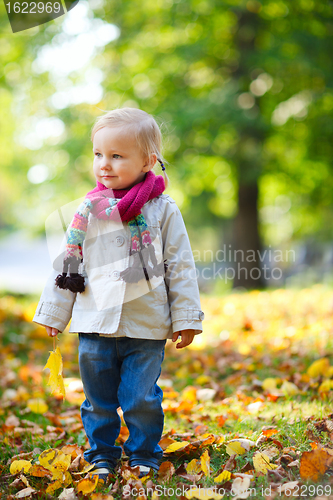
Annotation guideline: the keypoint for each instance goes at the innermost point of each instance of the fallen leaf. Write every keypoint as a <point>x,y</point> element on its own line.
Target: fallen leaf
<point>87,485</point>
<point>26,492</point>
<point>73,450</point>
<point>224,476</point>
<point>203,494</point>
<point>221,420</point>
<point>208,439</point>
<point>165,442</point>
<point>22,456</point>
<point>189,394</point>
<point>56,462</point>
<point>262,463</point>
<point>39,471</point>
<point>193,467</point>
<point>12,421</point>
<point>240,487</point>
<point>326,385</point>
<point>295,463</point>
<point>20,466</point>
<point>206,394</point>
<point>289,389</point>
<point>314,464</point>
<point>24,480</point>
<point>37,405</point>
<point>271,451</point>
<point>220,440</point>
<point>205,462</point>
<point>100,496</point>
<point>269,432</point>
<point>200,429</point>
<point>269,384</point>
<point>17,483</point>
<point>238,446</point>
<point>88,466</point>
<point>289,486</point>
<point>68,494</point>
<point>123,434</point>
<point>318,367</point>
<point>230,463</point>
<point>166,471</point>
<point>176,446</point>
<point>52,487</point>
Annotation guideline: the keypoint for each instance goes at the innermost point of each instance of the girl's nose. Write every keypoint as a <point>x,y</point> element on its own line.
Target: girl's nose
<point>105,164</point>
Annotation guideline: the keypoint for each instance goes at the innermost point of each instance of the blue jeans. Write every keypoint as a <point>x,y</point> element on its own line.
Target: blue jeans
<point>122,372</point>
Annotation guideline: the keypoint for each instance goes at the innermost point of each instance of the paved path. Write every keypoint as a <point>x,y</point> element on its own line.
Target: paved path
<point>24,263</point>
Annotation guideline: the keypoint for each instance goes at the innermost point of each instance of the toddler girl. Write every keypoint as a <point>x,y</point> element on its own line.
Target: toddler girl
<point>128,284</point>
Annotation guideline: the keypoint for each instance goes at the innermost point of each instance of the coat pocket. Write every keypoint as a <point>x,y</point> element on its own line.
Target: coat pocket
<point>160,294</point>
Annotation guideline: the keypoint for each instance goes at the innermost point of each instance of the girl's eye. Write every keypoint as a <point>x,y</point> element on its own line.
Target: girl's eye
<point>96,154</point>
<point>117,155</point>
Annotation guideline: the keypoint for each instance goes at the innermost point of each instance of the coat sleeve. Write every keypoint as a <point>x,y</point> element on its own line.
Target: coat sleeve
<point>180,277</point>
<point>55,306</point>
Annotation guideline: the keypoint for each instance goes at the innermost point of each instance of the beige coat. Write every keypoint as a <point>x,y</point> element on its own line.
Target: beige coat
<point>110,306</point>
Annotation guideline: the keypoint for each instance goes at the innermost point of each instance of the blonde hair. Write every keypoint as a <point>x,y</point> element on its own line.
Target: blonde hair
<point>144,127</point>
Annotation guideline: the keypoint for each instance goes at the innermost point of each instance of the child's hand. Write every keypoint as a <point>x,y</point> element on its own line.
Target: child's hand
<point>187,338</point>
<point>52,332</point>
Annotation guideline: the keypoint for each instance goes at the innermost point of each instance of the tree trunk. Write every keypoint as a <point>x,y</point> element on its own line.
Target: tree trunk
<point>246,245</point>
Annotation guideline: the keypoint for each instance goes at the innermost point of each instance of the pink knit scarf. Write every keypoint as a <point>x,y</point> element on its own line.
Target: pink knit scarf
<point>132,199</point>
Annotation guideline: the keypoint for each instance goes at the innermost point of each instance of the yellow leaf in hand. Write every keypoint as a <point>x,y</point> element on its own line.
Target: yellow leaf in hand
<point>20,466</point>
<point>54,363</point>
<point>205,461</point>
<point>261,463</point>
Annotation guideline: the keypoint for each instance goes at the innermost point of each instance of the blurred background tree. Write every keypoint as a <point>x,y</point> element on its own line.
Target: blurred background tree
<point>243,90</point>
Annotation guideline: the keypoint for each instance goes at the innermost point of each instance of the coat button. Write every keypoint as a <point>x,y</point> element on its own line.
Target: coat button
<point>115,275</point>
<point>120,241</point>
<point>201,315</point>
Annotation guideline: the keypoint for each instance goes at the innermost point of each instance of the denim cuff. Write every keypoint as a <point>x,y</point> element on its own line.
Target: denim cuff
<point>96,457</point>
<point>152,462</point>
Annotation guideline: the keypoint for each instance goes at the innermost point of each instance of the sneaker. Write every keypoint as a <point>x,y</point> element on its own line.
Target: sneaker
<point>102,468</point>
<point>144,470</point>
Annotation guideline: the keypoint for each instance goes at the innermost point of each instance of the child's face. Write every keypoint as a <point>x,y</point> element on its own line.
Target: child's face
<point>118,161</point>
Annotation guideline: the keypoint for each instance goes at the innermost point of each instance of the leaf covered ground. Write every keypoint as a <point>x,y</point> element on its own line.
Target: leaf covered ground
<point>248,407</point>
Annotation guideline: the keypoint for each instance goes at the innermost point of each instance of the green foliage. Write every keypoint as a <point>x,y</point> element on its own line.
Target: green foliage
<point>243,90</point>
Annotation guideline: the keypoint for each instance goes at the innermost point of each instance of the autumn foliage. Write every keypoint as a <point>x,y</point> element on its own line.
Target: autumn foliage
<point>248,406</point>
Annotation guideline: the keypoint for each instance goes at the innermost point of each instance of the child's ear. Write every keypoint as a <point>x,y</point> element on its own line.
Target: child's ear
<point>150,162</point>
